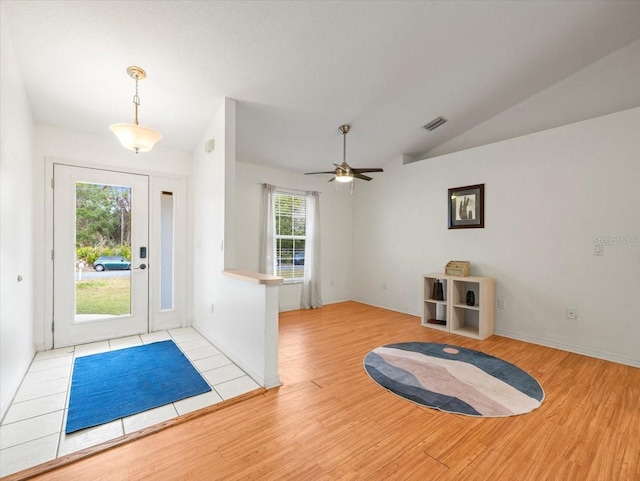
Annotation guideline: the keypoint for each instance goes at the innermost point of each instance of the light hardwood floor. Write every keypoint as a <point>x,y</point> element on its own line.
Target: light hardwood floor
<point>329,421</point>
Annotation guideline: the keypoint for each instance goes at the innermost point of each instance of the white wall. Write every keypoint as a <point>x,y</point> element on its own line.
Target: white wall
<point>335,220</point>
<point>547,196</point>
<point>74,147</point>
<point>208,194</point>
<point>249,333</point>
<point>16,228</point>
<point>237,316</point>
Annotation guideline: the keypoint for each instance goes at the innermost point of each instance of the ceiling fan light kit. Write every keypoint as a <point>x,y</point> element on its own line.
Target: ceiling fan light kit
<point>344,172</point>
<point>133,136</point>
<point>344,177</point>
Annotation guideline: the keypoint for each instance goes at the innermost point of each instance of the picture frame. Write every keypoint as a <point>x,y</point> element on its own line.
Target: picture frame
<point>466,207</point>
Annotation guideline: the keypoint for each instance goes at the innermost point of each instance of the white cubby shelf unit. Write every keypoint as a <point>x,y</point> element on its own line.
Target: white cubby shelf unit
<point>453,314</point>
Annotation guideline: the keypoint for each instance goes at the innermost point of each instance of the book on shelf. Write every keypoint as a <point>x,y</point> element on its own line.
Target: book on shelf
<point>437,321</point>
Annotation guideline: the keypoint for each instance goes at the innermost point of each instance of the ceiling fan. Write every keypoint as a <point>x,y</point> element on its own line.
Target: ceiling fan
<point>344,172</point>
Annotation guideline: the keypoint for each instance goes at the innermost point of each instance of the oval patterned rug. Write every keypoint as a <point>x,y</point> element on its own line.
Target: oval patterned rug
<point>454,379</point>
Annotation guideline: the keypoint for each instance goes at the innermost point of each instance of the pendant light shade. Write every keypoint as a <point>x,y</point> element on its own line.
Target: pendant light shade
<point>133,136</point>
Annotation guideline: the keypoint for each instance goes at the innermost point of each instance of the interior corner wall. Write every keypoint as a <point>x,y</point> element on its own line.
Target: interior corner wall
<point>549,198</point>
<point>16,227</point>
<point>335,226</point>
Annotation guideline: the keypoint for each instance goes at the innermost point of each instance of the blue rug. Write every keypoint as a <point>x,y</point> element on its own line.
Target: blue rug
<point>115,384</point>
<point>454,379</point>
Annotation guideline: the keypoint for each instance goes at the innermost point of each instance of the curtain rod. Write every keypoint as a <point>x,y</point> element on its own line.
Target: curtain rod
<point>292,190</point>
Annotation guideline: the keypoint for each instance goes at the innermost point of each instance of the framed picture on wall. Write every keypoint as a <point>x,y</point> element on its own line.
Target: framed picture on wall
<point>466,207</point>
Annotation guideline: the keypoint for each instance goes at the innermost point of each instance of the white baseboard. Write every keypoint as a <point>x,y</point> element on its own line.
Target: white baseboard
<point>388,308</point>
<point>257,377</point>
<point>563,346</point>
<point>296,307</point>
<point>7,400</point>
<point>288,308</point>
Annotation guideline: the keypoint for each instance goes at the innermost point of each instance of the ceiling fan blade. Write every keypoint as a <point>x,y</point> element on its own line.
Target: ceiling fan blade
<point>331,179</point>
<point>360,176</point>
<point>311,173</point>
<point>362,171</point>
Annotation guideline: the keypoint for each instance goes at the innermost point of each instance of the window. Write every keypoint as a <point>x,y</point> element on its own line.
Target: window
<point>291,219</point>
<point>166,251</point>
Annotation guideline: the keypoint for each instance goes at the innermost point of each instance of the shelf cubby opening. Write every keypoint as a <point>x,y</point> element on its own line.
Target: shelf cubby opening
<point>460,289</point>
<point>435,314</point>
<point>465,320</point>
<point>428,289</point>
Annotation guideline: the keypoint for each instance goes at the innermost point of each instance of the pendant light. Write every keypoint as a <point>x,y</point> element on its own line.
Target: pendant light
<point>133,136</point>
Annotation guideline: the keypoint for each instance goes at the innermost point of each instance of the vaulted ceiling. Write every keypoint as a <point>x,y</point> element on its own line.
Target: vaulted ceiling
<point>300,69</point>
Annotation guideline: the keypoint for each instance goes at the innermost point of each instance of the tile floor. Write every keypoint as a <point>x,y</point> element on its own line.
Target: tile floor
<point>32,430</point>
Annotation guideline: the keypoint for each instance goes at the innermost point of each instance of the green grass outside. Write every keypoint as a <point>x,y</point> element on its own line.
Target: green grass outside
<point>296,272</point>
<point>104,296</point>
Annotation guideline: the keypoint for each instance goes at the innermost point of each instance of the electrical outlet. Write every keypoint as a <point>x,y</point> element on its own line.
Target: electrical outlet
<point>572,313</point>
<point>501,303</point>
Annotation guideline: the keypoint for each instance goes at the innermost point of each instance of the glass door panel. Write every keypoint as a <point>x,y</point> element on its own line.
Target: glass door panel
<point>103,251</point>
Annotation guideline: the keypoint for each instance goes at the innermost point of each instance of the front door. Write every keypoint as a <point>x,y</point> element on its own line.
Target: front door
<point>100,257</point>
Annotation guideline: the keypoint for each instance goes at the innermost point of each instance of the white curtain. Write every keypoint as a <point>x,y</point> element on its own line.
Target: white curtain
<point>268,231</point>
<point>311,297</point>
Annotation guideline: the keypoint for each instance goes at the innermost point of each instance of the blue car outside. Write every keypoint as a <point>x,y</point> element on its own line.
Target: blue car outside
<point>111,263</point>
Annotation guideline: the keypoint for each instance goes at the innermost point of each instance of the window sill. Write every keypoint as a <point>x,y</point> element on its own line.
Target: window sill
<point>292,281</point>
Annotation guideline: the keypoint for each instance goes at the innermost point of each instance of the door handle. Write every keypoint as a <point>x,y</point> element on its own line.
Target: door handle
<point>142,266</point>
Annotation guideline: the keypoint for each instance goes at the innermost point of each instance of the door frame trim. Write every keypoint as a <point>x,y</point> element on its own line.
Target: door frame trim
<point>69,329</point>
<point>155,182</point>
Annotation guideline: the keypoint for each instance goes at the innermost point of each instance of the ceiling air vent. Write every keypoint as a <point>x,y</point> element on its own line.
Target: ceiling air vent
<point>434,124</point>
